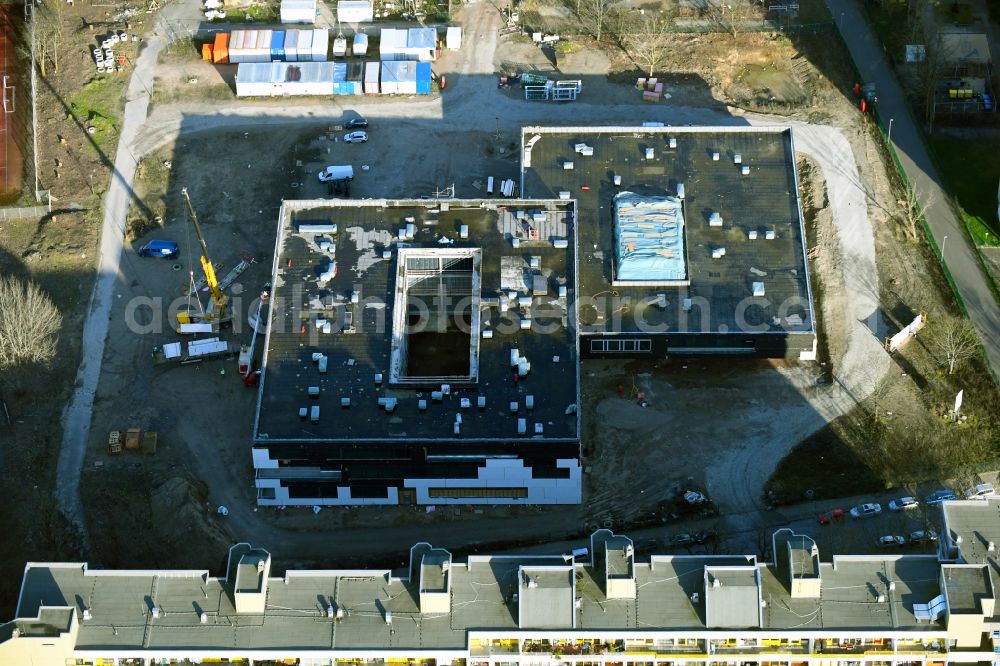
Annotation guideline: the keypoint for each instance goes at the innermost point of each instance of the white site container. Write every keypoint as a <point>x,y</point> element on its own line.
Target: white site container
<point>371,85</point>
<point>453,39</point>
<point>320,45</point>
<point>262,50</point>
<point>292,45</point>
<point>355,11</point>
<point>305,45</point>
<point>298,11</point>
<point>392,44</point>
<point>236,46</point>
<point>360,46</point>
<point>421,44</point>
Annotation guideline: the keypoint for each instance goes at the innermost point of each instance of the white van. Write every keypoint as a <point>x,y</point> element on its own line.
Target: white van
<point>336,172</point>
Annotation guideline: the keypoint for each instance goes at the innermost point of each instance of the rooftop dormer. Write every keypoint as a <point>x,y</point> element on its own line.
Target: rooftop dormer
<point>248,570</point>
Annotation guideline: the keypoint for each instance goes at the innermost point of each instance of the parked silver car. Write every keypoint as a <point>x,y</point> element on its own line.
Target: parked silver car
<point>867,510</point>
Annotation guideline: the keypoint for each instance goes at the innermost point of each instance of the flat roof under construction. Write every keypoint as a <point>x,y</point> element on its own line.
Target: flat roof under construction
<point>739,235</point>
<point>400,321</point>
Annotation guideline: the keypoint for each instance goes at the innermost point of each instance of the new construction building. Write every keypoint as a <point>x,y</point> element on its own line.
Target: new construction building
<point>606,607</point>
<point>421,352</point>
<point>428,351</point>
<point>691,238</point>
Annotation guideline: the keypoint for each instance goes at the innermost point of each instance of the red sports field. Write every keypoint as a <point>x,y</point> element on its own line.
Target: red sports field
<point>11,159</point>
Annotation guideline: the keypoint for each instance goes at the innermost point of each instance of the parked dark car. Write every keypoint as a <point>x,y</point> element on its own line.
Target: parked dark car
<point>356,123</point>
<point>939,496</point>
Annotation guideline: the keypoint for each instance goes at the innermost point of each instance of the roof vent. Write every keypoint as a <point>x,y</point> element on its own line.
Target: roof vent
<point>673,142</point>
<point>203,618</point>
<point>758,288</point>
<point>715,156</point>
<point>649,153</point>
<point>716,582</point>
<point>260,566</point>
<point>388,617</point>
<point>958,539</point>
<point>737,159</point>
<point>718,253</point>
<point>340,613</point>
<point>617,180</point>
<point>695,597</point>
<point>769,234</point>
<point>991,546</point>
<point>882,598</point>
<point>15,632</point>
<point>892,586</point>
<point>156,612</point>
<point>86,614</point>
<point>680,190</point>
<point>314,414</point>
<point>330,612</point>
<point>745,170</point>
<point>715,220</point>
<point>532,583</point>
<point>752,234</point>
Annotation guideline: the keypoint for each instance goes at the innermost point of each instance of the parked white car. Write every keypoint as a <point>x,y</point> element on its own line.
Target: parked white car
<point>866,510</point>
<point>982,491</point>
<point>903,504</point>
<point>355,137</point>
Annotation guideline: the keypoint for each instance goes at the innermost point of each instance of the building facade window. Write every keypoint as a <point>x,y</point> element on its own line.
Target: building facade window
<point>629,345</point>
<point>459,493</point>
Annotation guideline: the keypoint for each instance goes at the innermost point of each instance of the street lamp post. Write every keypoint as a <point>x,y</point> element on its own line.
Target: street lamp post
<point>944,244</point>
<point>889,138</point>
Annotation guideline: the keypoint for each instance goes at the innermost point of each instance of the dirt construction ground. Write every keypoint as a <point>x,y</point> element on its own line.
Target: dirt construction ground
<point>718,426</point>
<point>239,159</point>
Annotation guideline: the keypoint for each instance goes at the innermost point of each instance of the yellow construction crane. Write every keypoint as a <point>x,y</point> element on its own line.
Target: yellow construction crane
<point>217,311</point>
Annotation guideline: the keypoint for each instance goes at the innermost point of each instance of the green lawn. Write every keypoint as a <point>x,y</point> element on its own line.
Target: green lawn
<point>970,169</point>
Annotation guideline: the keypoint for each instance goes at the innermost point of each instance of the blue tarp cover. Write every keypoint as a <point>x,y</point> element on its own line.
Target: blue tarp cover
<point>649,238</point>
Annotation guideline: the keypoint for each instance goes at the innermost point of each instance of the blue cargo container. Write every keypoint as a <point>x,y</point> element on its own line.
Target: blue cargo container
<point>341,86</point>
<point>278,45</point>
<point>423,78</point>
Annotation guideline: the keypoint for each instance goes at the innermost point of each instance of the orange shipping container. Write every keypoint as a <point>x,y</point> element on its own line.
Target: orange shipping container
<point>220,49</point>
<point>206,52</point>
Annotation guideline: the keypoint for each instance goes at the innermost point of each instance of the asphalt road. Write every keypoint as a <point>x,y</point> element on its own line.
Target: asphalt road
<point>959,254</point>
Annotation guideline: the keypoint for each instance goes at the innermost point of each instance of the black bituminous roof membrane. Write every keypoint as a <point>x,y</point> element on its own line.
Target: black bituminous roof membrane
<point>354,359</point>
<point>766,199</point>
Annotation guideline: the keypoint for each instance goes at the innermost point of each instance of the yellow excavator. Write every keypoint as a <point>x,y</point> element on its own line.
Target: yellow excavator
<point>218,309</point>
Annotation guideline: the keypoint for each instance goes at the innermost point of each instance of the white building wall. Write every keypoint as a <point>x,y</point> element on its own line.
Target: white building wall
<point>507,473</point>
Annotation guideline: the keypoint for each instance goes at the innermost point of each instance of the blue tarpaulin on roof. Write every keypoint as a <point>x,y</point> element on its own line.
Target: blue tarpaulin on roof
<point>423,78</point>
<point>649,239</point>
<point>278,45</point>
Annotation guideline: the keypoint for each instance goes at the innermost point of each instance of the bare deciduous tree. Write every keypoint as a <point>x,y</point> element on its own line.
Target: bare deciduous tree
<point>911,206</point>
<point>647,41</point>
<point>594,15</point>
<point>47,32</point>
<point>29,325</point>
<point>954,338</point>
<point>731,15</point>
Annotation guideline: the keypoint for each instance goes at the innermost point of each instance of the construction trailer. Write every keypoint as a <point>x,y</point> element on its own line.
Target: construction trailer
<point>204,349</point>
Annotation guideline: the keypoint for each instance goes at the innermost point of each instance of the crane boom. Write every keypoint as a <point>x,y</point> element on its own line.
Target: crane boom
<point>218,297</point>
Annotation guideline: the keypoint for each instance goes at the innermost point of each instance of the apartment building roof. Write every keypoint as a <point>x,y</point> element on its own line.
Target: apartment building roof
<point>380,609</point>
